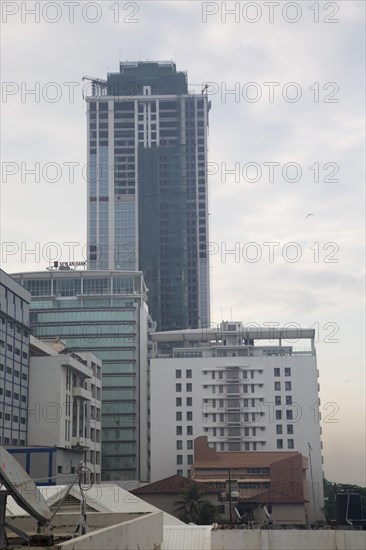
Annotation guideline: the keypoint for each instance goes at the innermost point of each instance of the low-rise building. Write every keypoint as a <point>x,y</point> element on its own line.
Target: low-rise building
<point>166,492</point>
<point>257,486</point>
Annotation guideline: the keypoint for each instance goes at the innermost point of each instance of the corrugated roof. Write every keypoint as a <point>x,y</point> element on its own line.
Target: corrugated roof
<point>245,459</point>
<point>172,485</point>
<point>106,497</point>
<point>189,537</point>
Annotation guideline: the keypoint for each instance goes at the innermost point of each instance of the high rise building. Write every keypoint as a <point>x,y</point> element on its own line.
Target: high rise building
<point>245,389</point>
<point>14,361</point>
<point>147,187</point>
<point>105,313</point>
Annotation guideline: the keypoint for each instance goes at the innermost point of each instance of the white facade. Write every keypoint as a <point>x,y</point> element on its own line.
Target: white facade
<point>64,405</point>
<point>241,395</point>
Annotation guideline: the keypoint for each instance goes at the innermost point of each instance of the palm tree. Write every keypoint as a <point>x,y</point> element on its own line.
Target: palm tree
<point>193,509</point>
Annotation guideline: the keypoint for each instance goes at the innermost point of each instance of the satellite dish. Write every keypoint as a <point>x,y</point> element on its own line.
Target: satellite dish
<point>22,487</point>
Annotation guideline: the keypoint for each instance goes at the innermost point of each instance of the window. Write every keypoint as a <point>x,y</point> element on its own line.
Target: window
<point>279,429</point>
<point>189,459</point>
<point>290,443</point>
<point>178,374</point>
<point>179,430</point>
<point>189,430</point>
<point>277,400</point>
<point>178,401</point>
<point>188,373</point>
<point>290,429</point>
<point>178,387</point>
<point>288,386</point>
<point>276,372</point>
<point>189,416</point>
<point>178,416</point>
<point>289,415</point>
<point>179,444</point>
<point>179,472</point>
<point>179,459</point>
<point>189,387</point>
<point>277,386</point>
<point>288,400</point>
<point>279,444</point>
<point>189,401</point>
<point>278,415</point>
<point>287,371</point>
<point>189,444</point>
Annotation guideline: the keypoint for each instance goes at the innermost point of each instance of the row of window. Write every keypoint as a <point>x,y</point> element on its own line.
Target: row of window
<point>14,441</point>
<point>179,416</point>
<point>178,373</point>
<point>178,387</point>
<point>279,429</point>
<point>290,444</point>
<point>9,370</point>
<point>15,395</point>
<point>178,401</point>
<point>189,459</point>
<point>179,444</point>
<point>8,417</point>
<point>10,347</point>
<point>277,386</point>
<point>287,370</point>
<point>179,430</point>
<point>11,325</point>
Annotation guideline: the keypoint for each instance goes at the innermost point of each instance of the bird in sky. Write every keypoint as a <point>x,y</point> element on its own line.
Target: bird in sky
<point>309,216</point>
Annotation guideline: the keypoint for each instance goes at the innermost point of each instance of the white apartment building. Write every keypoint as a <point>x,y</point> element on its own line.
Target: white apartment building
<point>64,403</point>
<point>245,389</point>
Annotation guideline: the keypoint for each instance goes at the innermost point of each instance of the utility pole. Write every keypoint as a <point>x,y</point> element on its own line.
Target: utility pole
<point>312,483</point>
<point>230,511</point>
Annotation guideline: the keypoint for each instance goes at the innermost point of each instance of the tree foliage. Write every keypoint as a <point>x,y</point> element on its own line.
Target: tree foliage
<point>192,508</point>
<point>330,491</point>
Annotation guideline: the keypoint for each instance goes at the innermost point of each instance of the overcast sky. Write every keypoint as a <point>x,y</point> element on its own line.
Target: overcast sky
<point>296,73</point>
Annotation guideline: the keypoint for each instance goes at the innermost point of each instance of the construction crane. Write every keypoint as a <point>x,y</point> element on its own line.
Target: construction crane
<point>96,82</point>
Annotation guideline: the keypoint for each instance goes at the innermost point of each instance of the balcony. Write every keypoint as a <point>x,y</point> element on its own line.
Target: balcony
<point>78,441</point>
<point>81,392</point>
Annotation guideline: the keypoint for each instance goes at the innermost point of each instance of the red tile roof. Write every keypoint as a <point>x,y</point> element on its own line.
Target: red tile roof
<point>172,485</point>
<point>275,497</point>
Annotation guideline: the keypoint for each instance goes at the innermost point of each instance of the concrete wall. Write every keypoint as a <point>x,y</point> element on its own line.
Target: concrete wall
<point>256,539</point>
<point>144,533</point>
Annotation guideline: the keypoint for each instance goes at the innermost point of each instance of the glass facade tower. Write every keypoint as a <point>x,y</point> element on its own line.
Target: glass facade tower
<point>147,187</point>
<point>104,313</point>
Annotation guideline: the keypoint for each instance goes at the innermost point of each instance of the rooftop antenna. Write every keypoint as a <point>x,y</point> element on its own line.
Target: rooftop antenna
<point>19,485</point>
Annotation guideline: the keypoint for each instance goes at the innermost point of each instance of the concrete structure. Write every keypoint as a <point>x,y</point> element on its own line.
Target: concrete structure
<point>147,187</point>
<point>64,405</point>
<point>104,313</point>
<point>248,481</point>
<point>14,360</point>
<point>116,519</point>
<point>247,389</point>
<point>164,493</point>
<point>50,465</point>
<point>262,539</point>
